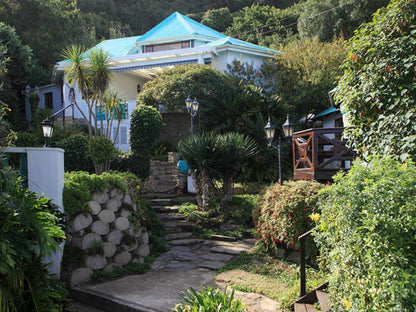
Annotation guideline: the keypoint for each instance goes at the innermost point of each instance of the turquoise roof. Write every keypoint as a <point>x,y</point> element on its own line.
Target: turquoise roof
<point>116,47</point>
<point>177,25</point>
<point>326,112</point>
<point>237,42</point>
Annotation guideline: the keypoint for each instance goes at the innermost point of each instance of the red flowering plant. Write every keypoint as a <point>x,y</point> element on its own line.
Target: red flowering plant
<point>284,213</point>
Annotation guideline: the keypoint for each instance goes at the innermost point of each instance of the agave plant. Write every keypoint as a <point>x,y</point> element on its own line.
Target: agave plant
<point>216,157</point>
<point>209,299</point>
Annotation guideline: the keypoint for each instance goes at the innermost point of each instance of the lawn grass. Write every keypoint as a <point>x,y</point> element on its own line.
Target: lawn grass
<point>263,274</point>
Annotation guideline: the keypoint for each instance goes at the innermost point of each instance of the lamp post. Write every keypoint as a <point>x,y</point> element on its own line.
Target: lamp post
<point>270,131</point>
<point>47,129</point>
<point>192,108</point>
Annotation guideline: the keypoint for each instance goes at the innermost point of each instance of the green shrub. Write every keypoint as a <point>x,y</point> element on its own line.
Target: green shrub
<point>27,139</point>
<point>28,233</point>
<point>146,124</point>
<point>239,209</point>
<point>209,299</point>
<point>366,236</point>
<point>76,153</point>
<point>79,187</point>
<point>100,149</point>
<point>283,212</point>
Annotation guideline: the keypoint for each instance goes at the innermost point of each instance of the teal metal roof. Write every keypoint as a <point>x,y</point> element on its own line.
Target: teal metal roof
<point>116,47</point>
<point>177,25</point>
<point>326,112</point>
<point>239,43</point>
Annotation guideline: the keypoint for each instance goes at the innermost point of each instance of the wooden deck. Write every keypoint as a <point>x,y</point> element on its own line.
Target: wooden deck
<point>319,153</point>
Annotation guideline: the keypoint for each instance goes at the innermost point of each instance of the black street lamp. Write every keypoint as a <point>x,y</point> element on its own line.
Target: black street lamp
<point>192,108</point>
<point>270,131</point>
<point>47,129</point>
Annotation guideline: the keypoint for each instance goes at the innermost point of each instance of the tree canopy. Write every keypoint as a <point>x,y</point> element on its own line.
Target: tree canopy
<point>378,89</point>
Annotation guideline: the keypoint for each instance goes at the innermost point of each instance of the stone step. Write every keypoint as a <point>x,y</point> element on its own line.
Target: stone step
<point>185,242</point>
<point>166,209</point>
<point>158,195</point>
<point>177,226</point>
<point>181,235</point>
<point>223,238</point>
<point>170,216</point>
<point>170,201</point>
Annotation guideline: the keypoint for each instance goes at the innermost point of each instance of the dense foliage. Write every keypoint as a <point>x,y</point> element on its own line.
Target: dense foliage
<point>76,157</point>
<point>283,213</point>
<point>28,233</point>
<point>79,187</point>
<point>173,86</point>
<point>213,158</point>
<point>101,149</point>
<point>378,88</point>
<point>146,124</point>
<point>209,299</point>
<point>366,235</point>
<point>304,73</point>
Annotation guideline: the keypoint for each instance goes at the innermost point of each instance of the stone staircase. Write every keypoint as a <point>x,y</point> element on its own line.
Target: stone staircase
<point>186,251</point>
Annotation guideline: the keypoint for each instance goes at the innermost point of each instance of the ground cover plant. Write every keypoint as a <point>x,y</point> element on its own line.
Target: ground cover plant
<point>284,211</point>
<point>366,235</point>
<point>261,273</point>
<point>209,299</point>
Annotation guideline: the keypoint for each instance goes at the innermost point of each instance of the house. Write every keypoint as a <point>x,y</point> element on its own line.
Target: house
<point>176,40</point>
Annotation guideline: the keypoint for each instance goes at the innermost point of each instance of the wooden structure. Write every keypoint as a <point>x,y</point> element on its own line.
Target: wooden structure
<point>319,153</point>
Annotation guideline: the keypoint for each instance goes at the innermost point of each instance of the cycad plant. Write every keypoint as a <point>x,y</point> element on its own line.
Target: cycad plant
<point>216,158</point>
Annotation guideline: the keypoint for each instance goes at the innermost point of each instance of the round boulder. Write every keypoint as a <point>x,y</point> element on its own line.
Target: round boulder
<point>96,262</point>
<point>100,228</point>
<point>107,216</point>
<point>122,258</point>
<point>122,224</point>
<point>109,249</point>
<point>89,239</point>
<point>81,275</point>
<point>113,204</point>
<point>95,207</point>
<point>115,237</point>
<point>81,222</point>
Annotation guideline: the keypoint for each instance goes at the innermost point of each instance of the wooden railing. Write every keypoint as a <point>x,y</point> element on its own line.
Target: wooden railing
<point>319,153</point>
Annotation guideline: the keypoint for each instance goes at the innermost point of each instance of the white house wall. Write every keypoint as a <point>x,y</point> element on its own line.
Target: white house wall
<point>125,85</point>
<point>228,57</point>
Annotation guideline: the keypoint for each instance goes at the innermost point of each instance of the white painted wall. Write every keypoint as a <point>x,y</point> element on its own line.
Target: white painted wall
<point>125,85</point>
<point>55,89</point>
<point>46,178</point>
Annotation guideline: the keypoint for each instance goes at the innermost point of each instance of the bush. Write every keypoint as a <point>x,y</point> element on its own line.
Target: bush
<point>366,236</point>
<point>76,153</point>
<point>79,187</point>
<point>239,209</point>
<point>28,232</point>
<point>209,299</point>
<point>283,212</point>
<point>146,124</point>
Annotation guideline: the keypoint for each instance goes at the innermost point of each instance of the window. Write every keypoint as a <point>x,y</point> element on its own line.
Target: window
<point>185,45</point>
<point>148,49</point>
<point>117,141</point>
<point>122,135</point>
<point>48,100</point>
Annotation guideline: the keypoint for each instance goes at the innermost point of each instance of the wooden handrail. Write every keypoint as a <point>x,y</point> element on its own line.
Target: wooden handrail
<point>302,261</point>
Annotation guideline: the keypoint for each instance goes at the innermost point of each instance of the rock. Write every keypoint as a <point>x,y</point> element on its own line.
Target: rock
<point>180,265</point>
<point>212,265</point>
<point>122,258</point>
<point>114,193</point>
<point>131,247</point>
<point>217,257</point>
<point>293,256</point>
<point>136,232</point>
<point>122,224</point>
<point>81,275</point>
<point>143,251</point>
<point>127,200</point>
<point>82,222</point>
<point>113,204</point>
<point>115,237</point>
<point>107,216</point>
<point>111,267</point>
<point>100,198</point>
<point>187,256</point>
<point>125,213</point>
<point>89,239</point>
<point>144,238</point>
<point>100,228</point>
<point>109,249</point>
<point>96,262</point>
<point>134,207</point>
<point>77,242</point>
<point>95,207</point>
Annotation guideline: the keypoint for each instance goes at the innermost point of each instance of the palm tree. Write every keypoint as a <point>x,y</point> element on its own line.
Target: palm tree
<point>100,79</point>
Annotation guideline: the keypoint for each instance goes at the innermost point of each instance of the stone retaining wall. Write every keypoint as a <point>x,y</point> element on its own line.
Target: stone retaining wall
<point>110,235</point>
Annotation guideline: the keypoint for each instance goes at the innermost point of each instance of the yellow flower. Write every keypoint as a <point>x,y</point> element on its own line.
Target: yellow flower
<point>315,217</point>
<point>347,303</point>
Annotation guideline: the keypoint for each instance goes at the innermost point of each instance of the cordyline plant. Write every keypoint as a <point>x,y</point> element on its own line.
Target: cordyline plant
<point>216,158</point>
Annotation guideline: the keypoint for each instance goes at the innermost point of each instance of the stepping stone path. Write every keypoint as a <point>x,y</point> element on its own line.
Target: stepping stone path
<point>186,251</point>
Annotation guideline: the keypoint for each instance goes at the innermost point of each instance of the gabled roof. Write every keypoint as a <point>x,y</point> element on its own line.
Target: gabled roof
<point>237,42</point>
<point>178,25</point>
